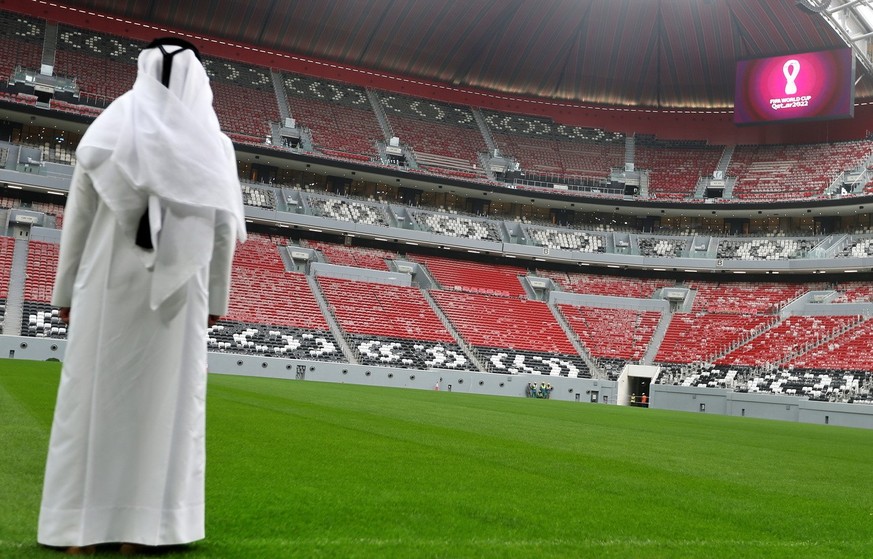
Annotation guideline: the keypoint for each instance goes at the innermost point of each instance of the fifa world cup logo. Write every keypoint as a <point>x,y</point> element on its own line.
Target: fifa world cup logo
<point>791,69</point>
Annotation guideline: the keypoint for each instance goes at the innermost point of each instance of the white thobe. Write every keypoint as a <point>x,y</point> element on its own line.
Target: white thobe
<point>127,455</point>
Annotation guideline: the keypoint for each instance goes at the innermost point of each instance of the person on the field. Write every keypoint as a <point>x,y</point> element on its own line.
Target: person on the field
<point>150,227</point>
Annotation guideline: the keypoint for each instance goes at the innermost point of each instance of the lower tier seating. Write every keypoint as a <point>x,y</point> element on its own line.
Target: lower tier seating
<point>262,292</point>
<point>743,298</point>
<point>699,337</point>
<point>409,354</point>
<point>637,288</point>
<point>41,320</point>
<point>42,264</point>
<point>273,341</point>
<point>827,385</point>
<point>612,333</point>
<point>850,350</point>
<point>475,277</point>
<point>852,292</point>
<point>388,311</point>
<point>7,247</point>
<point>514,361</point>
<point>504,323</point>
<point>358,257</point>
<point>279,299</point>
<point>792,335</point>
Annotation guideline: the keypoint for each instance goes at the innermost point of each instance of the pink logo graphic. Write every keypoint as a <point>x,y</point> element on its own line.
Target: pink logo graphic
<point>791,69</point>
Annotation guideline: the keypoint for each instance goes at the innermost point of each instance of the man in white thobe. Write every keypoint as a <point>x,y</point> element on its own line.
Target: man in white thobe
<point>126,457</point>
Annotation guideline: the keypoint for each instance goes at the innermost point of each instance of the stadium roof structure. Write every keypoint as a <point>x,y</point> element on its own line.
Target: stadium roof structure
<point>645,53</point>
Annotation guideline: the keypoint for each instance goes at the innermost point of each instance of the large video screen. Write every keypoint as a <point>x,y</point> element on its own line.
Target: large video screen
<point>803,86</point>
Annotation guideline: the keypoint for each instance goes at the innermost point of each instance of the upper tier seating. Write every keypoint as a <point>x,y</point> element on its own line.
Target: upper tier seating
<point>544,146</point>
<point>639,288</point>
<point>7,247</point>
<point>98,78</point>
<point>244,113</point>
<point>699,337</point>
<point>383,310</point>
<point>358,257</point>
<point>339,116</point>
<point>743,298</point>
<point>83,110</point>
<point>104,66</point>
<point>474,277</point>
<point>243,98</point>
<point>456,226</point>
<point>42,265</point>
<point>674,168</point>
<point>21,39</point>
<point>788,337</point>
<point>768,172</point>
<point>849,351</point>
<point>434,128</point>
<point>612,333</point>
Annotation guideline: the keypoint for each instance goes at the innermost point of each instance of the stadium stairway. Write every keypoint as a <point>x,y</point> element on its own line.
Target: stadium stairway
<point>379,111</point>
<point>657,338</point>
<point>483,129</point>
<point>15,299</point>
<point>596,371</point>
<point>630,150</point>
<point>281,96</point>
<point>331,320</point>
<point>725,160</point>
<point>468,351</point>
<point>49,44</point>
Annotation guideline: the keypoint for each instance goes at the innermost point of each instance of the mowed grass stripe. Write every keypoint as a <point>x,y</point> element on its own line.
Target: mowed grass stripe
<point>305,469</point>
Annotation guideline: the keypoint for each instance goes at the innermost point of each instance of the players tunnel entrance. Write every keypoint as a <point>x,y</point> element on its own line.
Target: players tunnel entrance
<point>634,384</point>
<point>639,389</point>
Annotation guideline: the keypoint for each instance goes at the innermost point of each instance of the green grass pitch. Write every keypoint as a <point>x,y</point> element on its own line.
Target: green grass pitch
<point>307,470</point>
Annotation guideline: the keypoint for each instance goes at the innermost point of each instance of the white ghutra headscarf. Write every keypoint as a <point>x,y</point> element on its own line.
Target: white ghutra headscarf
<point>161,148</point>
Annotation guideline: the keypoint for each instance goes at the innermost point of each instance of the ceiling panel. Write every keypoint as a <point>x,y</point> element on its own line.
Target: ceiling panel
<point>655,53</point>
